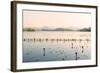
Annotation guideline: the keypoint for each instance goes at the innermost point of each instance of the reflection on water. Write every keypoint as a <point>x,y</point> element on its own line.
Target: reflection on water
<point>56,46</point>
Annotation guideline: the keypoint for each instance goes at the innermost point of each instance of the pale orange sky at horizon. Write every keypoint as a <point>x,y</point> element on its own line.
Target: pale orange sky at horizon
<point>42,19</point>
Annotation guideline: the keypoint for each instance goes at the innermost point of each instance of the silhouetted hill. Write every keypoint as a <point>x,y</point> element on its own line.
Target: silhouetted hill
<point>63,29</point>
<point>85,29</point>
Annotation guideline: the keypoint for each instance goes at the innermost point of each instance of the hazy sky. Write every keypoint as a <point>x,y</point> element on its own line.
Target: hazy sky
<point>55,19</point>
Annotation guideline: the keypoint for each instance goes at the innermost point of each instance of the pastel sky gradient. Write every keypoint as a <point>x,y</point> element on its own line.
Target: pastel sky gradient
<point>42,19</point>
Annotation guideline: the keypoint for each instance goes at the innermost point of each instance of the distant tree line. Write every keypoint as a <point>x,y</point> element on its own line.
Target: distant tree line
<point>28,29</point>
<point>58,29</point>
<point>85,29</point>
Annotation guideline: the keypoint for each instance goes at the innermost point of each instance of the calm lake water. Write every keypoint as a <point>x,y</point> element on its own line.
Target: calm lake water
<point>41,46</point>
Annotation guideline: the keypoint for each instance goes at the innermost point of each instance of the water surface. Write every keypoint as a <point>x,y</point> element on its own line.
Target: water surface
<point>41,46</point>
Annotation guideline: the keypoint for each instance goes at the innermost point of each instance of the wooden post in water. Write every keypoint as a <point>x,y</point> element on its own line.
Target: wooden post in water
<point>72,45</point>
<point>82,49</point>
<point>62,58</point>
<point>43,51</point>
<point>34,39</point>
<point>87,40</point>
<point>46,39</point>
<point>24,39</point>
<point>75,55</point>
<point>80,40</point>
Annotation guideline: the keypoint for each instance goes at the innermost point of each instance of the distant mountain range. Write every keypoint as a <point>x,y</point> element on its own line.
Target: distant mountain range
<point>57,29</point>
